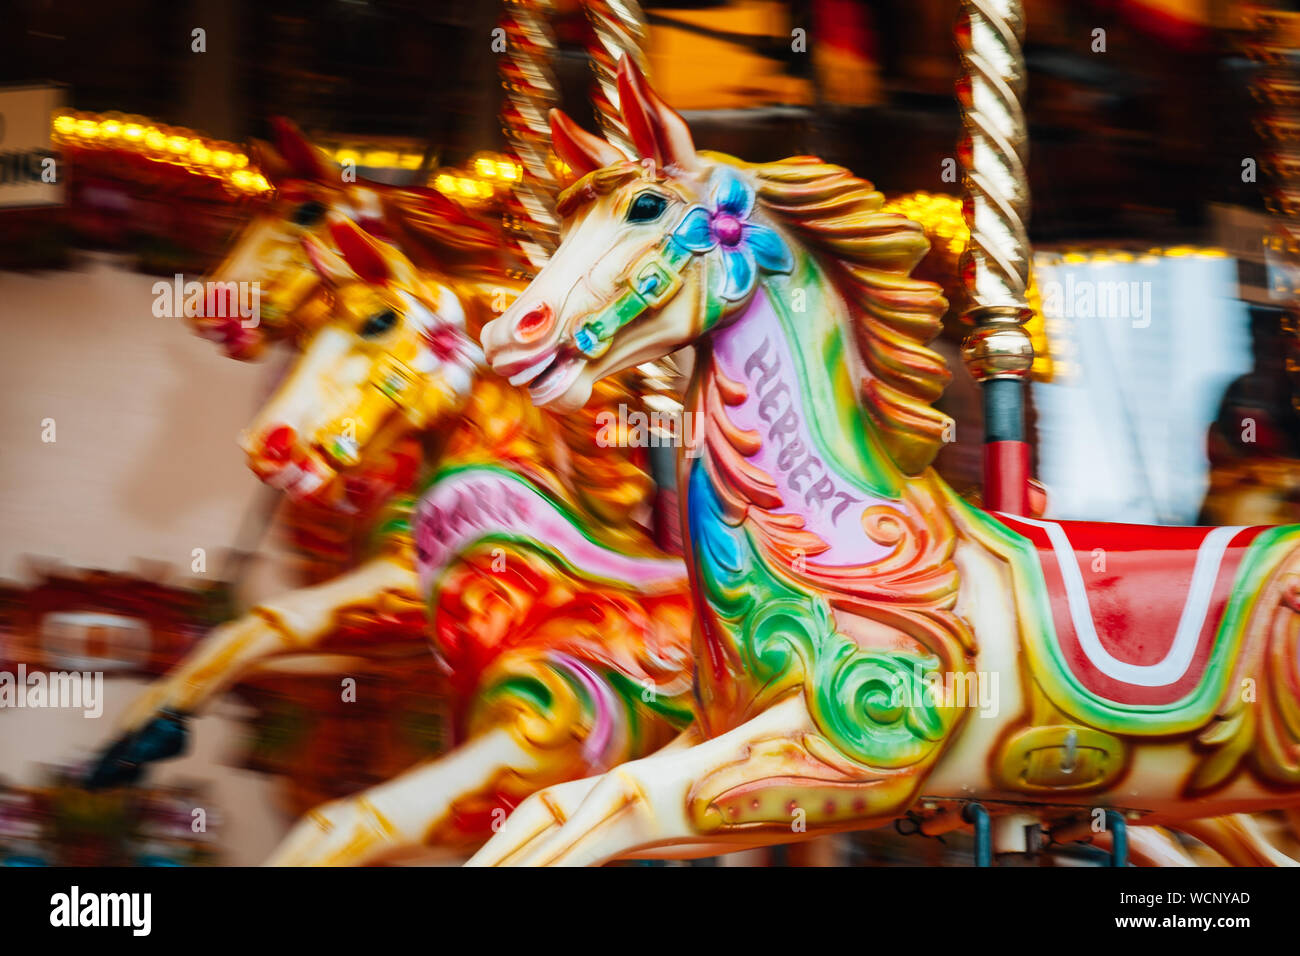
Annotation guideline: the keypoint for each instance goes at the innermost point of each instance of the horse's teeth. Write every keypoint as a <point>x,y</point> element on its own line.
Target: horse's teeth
<point>308,483</point>
<point>285,477</point>
<point>528,374</point>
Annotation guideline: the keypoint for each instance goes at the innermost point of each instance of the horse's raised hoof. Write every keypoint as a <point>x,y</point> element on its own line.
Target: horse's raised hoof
<point>124,761</point>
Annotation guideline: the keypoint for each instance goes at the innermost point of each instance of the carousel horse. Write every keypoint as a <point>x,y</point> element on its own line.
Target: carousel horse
<point>308,194</point>
<point>561,629</point>
<point>867,643</point>
<point>292,302</point>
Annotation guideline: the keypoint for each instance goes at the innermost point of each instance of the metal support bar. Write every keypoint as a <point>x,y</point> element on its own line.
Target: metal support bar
<point>1118,827</point>
<point>976,815</point>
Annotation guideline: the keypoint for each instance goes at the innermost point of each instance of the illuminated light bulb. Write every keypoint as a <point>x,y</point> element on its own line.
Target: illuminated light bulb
<point>222,159</point>
<point>485,167</point>
<point>154,138</point>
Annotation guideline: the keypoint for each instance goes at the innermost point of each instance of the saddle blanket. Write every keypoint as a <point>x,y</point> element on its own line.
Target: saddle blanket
<point>1136,608</point>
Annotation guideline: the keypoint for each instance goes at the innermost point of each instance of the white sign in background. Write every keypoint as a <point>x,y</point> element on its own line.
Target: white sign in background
<point>25,116</point>
<point>1124,437</point>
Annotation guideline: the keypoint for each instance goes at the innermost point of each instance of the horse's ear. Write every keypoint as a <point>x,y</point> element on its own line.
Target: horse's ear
<point>328,264</point>
<point>581,151</point>
<point>422,204</point>
<point>268,161</point>
<point>364,254</point>
<point>304,160</point>
<point>658,130</point>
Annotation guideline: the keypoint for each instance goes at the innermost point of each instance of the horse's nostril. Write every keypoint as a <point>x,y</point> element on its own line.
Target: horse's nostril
<point>534,323</point>
<point>278,443</point>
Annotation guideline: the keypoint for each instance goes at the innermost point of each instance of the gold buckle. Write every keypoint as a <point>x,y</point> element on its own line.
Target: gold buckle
<point>652,265</point>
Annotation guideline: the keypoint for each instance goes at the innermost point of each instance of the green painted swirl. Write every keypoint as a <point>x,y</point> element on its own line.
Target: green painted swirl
<point>877,707</point>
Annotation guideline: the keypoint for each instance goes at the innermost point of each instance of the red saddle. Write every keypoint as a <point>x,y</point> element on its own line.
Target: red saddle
<point>1136,608</point>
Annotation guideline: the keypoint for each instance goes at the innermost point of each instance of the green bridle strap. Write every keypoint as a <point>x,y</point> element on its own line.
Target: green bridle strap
<point>650,282</point>
<point>395,381</point>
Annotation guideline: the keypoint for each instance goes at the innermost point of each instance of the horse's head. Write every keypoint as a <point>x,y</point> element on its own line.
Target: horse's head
<point>269,250</point>
<point>654,252</point>
<point>391,357</point>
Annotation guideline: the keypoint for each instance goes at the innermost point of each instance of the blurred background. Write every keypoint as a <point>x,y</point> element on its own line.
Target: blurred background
<point>1160,134</point>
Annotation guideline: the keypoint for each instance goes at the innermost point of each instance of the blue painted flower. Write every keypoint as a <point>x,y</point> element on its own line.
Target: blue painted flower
<point>745,247</point>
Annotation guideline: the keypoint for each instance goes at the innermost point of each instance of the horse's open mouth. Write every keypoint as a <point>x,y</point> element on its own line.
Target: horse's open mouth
<point>299,483</point>
<point>550,377</point>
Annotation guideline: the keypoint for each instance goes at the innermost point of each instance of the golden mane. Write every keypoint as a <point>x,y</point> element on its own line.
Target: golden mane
<point>870,255</point>
<point>440,236</point>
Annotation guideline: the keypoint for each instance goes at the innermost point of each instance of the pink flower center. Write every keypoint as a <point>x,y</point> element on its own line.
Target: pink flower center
<point>443,341</point>
<point>726,228</point>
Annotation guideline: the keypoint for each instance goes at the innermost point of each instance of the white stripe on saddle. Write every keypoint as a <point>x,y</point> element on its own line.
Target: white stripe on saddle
<point>1174,665</point>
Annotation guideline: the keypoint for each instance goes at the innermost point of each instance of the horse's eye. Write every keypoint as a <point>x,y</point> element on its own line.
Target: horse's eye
<point>647,207</point>
<point>308,214</point>
<point>378,324</point>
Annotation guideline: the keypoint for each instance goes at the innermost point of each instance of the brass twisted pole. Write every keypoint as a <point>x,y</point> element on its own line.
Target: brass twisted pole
<point>993,150</point>
<point>530,93</point>
<point>618,29</point>
<point>995,267</point>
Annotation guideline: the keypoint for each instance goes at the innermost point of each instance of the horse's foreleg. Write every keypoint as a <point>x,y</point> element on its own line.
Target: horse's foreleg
<point>540,815</point>
<point>1238,839</point>
<point>547,810</point>
<point>153,728</point>
<point>407,811</point>
<point>646,805</point>
<point>293,622</point>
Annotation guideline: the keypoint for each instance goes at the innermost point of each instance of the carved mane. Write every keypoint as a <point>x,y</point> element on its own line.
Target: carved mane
<point>468,254</point>
<point>441,236</point>
<point>870,255</point>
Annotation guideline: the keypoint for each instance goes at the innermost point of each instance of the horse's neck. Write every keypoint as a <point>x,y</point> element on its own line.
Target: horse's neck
<point>499,425</point>
<point>777,390</point>
<point>792,503</point>
<point>610,482</point>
